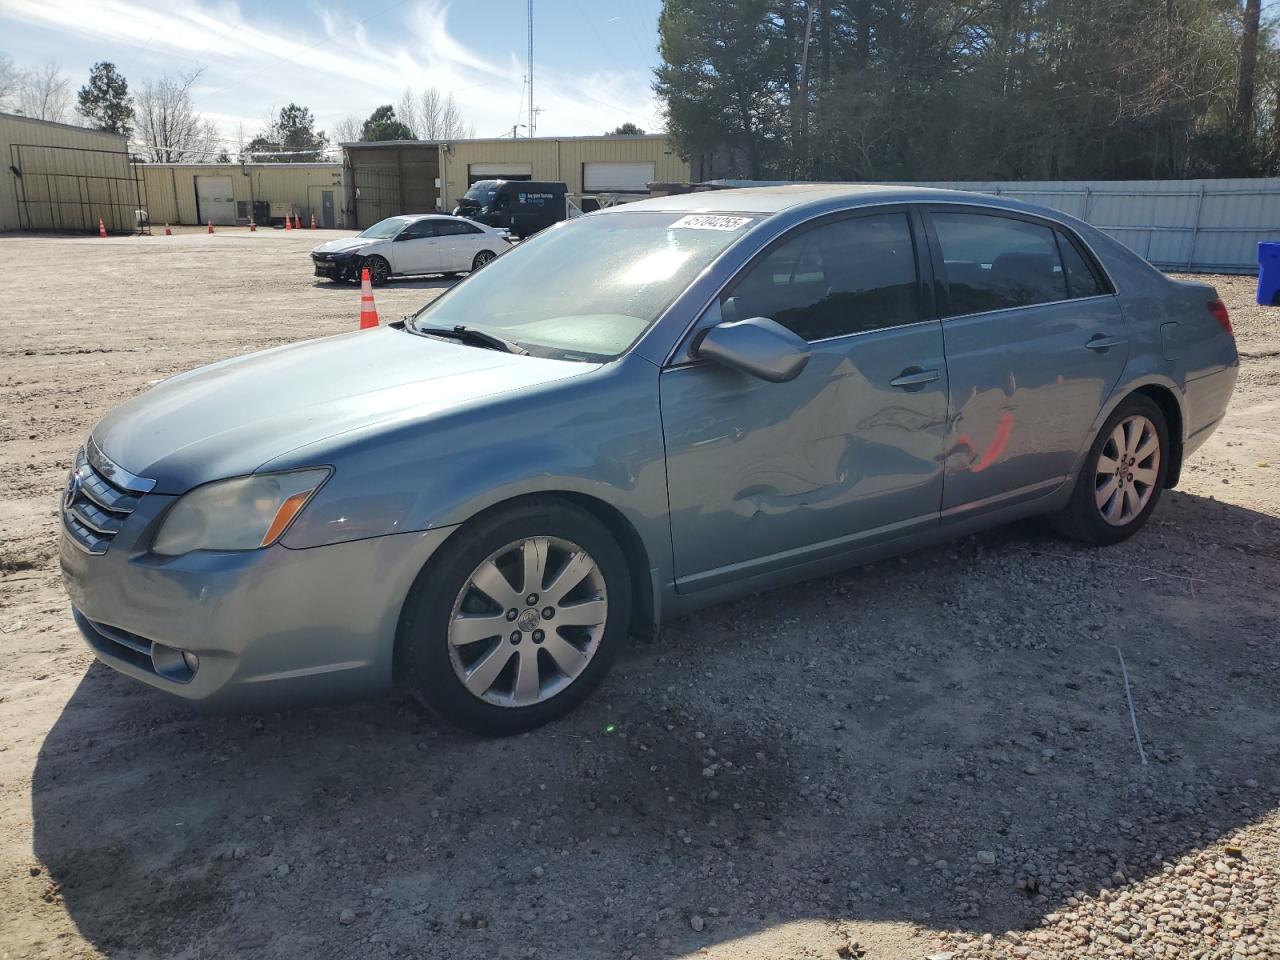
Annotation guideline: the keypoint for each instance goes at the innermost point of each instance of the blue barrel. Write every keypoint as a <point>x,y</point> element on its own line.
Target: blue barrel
<point>1269,274</point>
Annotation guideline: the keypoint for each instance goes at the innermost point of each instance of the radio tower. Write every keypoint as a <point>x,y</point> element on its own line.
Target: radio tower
<point>533,114</point>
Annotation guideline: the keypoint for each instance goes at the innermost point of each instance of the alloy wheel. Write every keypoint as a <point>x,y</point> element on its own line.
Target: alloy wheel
<point>1127,470</point>
<point>483,257</point>
<point>527,621</point>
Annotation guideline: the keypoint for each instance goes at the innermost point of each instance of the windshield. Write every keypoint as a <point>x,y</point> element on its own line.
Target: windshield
<point>482,192</point>
<point>384,229</point>
<point>588,288</point>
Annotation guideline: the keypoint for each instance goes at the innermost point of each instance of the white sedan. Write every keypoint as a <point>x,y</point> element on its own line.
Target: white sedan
<point>411,245</point>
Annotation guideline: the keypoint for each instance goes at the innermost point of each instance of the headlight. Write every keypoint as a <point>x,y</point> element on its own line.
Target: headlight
<point>241,514</point>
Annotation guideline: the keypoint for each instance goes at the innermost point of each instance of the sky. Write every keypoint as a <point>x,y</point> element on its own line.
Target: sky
<point>593,59</point>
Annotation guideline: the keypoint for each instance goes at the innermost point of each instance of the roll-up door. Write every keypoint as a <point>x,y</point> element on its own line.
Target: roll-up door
<point>616,177</point>
<point>215,202</point>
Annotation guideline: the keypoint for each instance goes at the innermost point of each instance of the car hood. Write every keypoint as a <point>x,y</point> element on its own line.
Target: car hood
<point>231,417</point>
<point>345,245</point>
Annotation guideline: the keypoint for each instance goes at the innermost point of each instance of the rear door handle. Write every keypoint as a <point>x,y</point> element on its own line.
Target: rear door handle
<point>914,377</point>
<point>1100,342</point>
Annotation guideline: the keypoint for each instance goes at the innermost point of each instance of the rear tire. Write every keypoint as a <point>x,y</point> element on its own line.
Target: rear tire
<point>1121,478</point>
<point>462,650</point>
<point>481,258</point>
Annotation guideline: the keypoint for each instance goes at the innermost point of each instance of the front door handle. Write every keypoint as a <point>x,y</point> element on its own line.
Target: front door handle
<point>1100,342</point>
<point>914,377</point>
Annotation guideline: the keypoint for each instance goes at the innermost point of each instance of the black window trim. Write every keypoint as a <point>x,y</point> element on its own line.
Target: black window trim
<point>926,308</point>
<point>677,356</point>
<point>1056,227</point>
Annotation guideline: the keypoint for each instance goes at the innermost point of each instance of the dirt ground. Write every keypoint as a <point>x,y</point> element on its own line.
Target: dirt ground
<point>932,756</point>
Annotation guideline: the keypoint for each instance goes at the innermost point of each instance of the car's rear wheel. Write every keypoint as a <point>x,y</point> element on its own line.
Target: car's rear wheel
<point>516,619</point>
<point>481,258</point>
<point>379,269</point>
<point>1121,479</point>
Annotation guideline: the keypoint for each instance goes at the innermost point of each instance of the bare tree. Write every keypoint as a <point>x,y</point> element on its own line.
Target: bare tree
<point>171,129</point>
<point>348,129</point>
<point>44,93</point>
<point>10,80</point>
<point>433,115</point>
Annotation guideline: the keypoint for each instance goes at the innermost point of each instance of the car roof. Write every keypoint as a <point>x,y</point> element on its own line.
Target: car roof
<point>776,199</point>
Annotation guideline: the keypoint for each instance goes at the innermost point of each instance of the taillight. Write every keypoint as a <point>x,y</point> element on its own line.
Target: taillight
<point>1219,311</point>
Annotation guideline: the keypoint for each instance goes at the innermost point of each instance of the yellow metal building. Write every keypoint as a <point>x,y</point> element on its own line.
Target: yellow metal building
<point>413,176</point>
<point>228,193</point>
<point>60,177</point>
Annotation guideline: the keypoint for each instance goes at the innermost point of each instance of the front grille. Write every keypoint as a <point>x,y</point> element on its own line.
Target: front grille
<point>93,508</point>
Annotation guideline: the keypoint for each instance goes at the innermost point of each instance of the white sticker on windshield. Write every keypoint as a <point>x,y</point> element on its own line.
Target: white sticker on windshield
<point>706,221</point>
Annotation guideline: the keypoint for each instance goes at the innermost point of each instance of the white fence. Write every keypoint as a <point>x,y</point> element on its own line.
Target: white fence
<point>1198,226</point>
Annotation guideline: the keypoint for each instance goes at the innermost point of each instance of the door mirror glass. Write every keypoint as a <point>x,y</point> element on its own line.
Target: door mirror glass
<point>758,346</point>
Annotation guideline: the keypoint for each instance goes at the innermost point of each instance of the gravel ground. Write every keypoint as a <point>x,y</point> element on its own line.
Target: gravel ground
<point>928,757</point>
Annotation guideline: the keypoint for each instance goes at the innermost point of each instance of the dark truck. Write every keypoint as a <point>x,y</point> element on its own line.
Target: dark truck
<point>522,206</point>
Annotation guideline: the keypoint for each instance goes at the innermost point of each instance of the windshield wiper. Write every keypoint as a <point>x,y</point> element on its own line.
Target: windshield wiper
<point>474,337</point>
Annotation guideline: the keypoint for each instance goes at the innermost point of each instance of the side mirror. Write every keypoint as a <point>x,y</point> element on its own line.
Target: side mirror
<point>758,346</point>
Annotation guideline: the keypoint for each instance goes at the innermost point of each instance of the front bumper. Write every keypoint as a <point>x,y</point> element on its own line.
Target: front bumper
<point>337,268</point>
<point>270,627</point>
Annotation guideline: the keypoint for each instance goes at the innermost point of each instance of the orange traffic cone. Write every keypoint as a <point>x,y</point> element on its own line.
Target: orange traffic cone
<point>211,226</point>
<point>313,221</point>
<point>288,223</point>
<point>368,312</point>
<point>297,221</point>
<point>102,228</point>
<point>167,231</point>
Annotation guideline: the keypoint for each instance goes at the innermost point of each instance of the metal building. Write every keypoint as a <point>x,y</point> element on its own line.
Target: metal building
<point>64,178</point>
<point>412,176</point>
<point>228,193</point>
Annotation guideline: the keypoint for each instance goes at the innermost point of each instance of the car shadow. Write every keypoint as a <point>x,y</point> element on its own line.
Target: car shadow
<point>395,283</point>
<point>941,739</point>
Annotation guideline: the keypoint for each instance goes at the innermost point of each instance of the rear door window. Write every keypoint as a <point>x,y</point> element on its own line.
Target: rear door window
<point>996,263</point>
<point>452,228</point>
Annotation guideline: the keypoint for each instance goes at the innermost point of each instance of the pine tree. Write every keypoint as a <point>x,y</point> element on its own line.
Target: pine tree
<point>105,99</point>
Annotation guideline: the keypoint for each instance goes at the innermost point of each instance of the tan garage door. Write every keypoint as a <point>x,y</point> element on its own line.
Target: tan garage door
<point>215,201</point>
<point>616,177</point>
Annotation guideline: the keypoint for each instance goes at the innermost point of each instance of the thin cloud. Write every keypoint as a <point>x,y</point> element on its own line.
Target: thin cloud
<point>338,70</point>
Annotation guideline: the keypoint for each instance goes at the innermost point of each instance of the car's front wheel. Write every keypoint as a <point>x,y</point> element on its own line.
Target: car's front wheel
<point>516,619</point>
<point>378,267</point>
<point>1120,482</point>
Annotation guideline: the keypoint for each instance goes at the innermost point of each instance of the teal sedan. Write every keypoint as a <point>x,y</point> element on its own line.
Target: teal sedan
<point>629,416</point>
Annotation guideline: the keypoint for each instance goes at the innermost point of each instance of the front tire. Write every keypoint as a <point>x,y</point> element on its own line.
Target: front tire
<point>516,620</point>
<point>379,269</point>
<point>1121,478</point>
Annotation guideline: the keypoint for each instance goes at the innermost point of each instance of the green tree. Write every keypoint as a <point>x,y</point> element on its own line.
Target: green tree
<point>105,99</point>
<point>723,80</point>
<point>627,129</point>
<point>956,89</point>
<point>383,125</point>
<point>291,136</point>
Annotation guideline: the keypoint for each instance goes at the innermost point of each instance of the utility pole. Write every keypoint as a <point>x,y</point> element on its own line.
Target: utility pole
<point>810,10</point>
<point>533,114</point>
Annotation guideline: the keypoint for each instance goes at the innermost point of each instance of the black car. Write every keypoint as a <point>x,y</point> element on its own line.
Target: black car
<point>522,206</point>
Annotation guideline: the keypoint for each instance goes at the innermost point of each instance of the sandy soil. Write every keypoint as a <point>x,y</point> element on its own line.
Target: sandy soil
<point>928,757</point>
